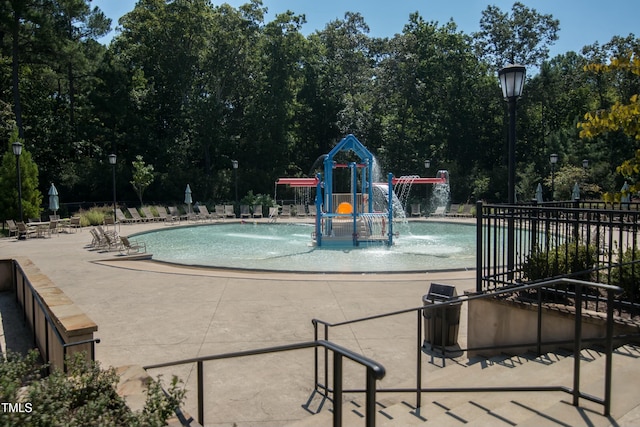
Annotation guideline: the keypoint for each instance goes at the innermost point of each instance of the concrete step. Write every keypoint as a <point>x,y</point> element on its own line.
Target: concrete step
<point>507,408</point>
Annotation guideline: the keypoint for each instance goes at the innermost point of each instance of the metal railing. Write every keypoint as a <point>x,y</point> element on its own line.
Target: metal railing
<point>577,341</point>
<point>375,371</point>
<point>560,239</point>
<point>49,324</point>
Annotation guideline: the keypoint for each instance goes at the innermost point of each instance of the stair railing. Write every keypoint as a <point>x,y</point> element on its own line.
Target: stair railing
<point>375,371</point>
<point>326,390</point>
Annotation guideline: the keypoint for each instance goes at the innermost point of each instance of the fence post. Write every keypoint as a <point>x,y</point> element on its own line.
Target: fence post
<point>200,375</point>
<point>479,247</point>
<point>337,389</point>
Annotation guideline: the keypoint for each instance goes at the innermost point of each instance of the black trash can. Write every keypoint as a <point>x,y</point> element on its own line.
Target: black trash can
<point>441,324</point>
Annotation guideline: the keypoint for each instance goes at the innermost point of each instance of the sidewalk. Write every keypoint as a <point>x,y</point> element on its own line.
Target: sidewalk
<point>149,313</point>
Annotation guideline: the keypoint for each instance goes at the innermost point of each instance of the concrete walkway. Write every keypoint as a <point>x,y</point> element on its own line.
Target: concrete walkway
<point>150,313</point>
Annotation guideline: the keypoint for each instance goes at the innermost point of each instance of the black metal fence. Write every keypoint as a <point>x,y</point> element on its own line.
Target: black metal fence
<point>591,241</point>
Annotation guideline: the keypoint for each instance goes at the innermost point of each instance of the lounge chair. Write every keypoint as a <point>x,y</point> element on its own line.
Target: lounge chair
<point>13,228</point>
<point>204,212</point>
<point>286,210</point>
<point>229,212</point>
<point>273,213</point>
<point>132,246</point>
<point>257,211</point>
<point>219,211</point>
<point>175,214</point>
<point>440,211</point>
<point>110,238</point>
<point>24,230</point>
<point>454,210</point>
<point>148,215</point>
<point>135,215</point>
<point>53,227</point>
<point>244,211</point>
<point>121,218</point>
<point>312,210</point>
<point>300,210</point>
<point>415,209</point>
<point>162,213</point>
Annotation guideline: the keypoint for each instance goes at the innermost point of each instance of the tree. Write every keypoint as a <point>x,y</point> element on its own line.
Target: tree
<point>621,117</point>
<point>31,196</point>
<point>142,176</point>
<point>522,37</point>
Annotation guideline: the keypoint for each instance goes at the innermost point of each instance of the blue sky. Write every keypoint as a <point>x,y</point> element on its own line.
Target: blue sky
<point>582,22</point>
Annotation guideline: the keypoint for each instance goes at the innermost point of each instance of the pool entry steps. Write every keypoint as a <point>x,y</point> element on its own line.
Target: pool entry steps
<point>364,214</point>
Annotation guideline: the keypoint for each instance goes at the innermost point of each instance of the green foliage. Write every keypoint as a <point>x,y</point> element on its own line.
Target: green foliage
<point>85,396</point>
<point>560,260</point>
<point>624,274</point>
<point>142,176</point>
<point>95,215</point>
<point>31,196</point>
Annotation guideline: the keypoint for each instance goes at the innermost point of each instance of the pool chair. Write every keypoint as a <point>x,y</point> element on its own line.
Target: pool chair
<point>204,212</point>
<point>415,209</point>
<point>219,211</point>
<point>257,211</point>
<point>135,215</point>
<point>162,213</point>
<point>273,213</point>
<point>440,211</point>
<point>286,210</point>
<point>312,210</point>
<point>121,218</point>
<point>300,210</point>
<point>148,215</point>
<point>229,212</point>
<point>25,230</point>
<point>13,228</point>
<point>244,211</point>
<point>132,246</point>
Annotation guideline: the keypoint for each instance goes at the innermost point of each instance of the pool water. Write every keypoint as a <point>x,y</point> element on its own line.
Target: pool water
<point>420,246</point>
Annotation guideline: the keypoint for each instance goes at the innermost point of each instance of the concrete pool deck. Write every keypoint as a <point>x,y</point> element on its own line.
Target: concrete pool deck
<point>149,312</point>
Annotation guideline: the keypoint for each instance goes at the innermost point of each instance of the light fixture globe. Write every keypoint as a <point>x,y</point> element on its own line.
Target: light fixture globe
<point>17,148</point>
<point>112,159</point>
<point>512,81</point>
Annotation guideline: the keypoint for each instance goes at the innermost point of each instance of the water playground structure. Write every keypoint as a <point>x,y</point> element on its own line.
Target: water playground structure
<point>365,214</point>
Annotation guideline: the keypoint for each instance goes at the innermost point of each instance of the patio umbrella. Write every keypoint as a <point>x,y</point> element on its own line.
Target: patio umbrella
<point>626,195</point>
<point>539,193</point>
<point>54,202</point>
<point>575,194</point>
<point>187,197</point>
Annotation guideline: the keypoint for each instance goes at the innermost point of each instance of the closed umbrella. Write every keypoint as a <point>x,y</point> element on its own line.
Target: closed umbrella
<point>187,197</point>
<point>575,194</point>
<point>54,202</point>
<point>626,195</point>
<point>539,193</point>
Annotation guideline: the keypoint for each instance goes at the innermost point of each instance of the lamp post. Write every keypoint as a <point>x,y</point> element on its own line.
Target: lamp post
<point>112,162</point>
<point>511,81</point>
<point>235,171</point>
<point>553,159</point>
<point>17,151</point>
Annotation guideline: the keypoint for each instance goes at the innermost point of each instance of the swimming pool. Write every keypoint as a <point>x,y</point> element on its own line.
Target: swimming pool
<point>421,246</point>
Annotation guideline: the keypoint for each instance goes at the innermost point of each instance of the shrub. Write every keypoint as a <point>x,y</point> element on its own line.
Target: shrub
<point>94,216</point>
<point>624,275</point>
<point>86,395</point>
<point>561,260</point>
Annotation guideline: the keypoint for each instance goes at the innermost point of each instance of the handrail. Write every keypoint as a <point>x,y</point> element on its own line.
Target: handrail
<point>441,305</point>
<point>375,371</point>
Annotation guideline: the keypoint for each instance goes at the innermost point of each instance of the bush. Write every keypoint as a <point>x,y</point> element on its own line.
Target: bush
<point>85,396</point>
<point>94,216</point>
<point>561,260</point>
<point>623,275</point>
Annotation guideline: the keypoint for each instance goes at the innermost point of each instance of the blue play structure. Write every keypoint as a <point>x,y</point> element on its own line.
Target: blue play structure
<point>349,219</point>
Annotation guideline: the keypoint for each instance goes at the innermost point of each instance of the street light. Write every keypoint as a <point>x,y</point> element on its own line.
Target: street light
<point>17,151</point>
<point>553,159</point>
<point>511,81</point>
<point>235,171</point>
<point>585,163</point>
<point>112,162</point>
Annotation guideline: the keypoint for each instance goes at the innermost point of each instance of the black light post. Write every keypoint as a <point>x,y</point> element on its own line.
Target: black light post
<point>235,171</point>
<point>112,162</point>
<point>511,81</point>
<point>553,159</point>
<point>17,151</point>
